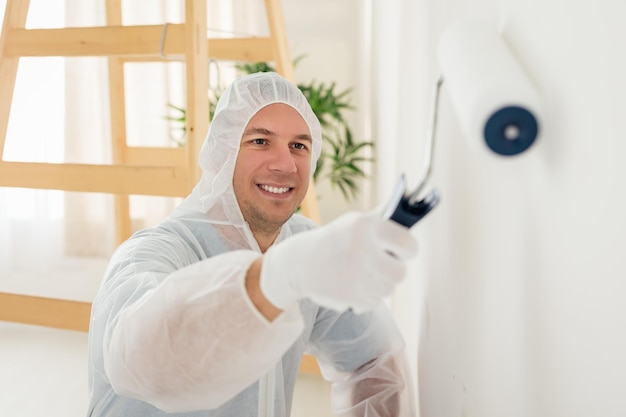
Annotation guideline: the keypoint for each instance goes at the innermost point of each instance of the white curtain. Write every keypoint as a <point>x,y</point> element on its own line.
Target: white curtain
<point>149,87</point>
<point>31,219</point>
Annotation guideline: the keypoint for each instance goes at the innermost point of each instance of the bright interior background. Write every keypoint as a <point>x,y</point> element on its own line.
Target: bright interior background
<point>515,305</point>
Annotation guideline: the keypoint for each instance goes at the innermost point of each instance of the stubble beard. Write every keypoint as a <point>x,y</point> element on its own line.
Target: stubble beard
<point>260,222</point>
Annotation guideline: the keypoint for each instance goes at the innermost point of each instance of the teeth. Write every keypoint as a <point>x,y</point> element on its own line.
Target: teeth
<point>275,190</point>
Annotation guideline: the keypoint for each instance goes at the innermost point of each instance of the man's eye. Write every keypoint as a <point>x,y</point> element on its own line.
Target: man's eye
<point>300,146</point>
<point>258,141</point>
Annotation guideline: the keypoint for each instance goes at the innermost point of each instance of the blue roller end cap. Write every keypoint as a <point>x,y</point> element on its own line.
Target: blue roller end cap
<point>511,130</point>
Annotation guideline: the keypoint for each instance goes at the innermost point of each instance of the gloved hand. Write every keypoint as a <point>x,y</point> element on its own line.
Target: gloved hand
<point>353,262</point>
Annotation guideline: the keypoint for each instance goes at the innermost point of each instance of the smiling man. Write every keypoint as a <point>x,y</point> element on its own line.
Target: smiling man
<point>273,169</point>
<point>209,312</point>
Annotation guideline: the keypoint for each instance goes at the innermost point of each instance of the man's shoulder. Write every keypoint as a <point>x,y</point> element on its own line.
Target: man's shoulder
<point>299,223</point>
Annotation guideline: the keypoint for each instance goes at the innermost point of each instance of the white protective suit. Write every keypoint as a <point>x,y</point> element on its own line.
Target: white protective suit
<point>174,331</point>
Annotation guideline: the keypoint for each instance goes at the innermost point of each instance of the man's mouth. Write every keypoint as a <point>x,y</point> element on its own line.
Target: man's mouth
<point>274,190</point>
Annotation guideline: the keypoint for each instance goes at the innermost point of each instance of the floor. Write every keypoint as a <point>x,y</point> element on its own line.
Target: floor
<point>43,371</point>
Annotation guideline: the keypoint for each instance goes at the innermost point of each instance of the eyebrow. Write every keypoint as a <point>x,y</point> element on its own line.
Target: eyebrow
<point>258,131</point>
<point>266,132</point>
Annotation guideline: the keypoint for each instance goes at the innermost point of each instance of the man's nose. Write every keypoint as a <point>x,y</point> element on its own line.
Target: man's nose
<point>282,160</point>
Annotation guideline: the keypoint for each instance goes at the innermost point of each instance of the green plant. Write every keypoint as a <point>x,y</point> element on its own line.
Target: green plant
<point>342,157</point>
<point>181,120</point>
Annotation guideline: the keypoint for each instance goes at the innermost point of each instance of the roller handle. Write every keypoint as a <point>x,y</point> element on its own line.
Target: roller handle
<point>402,209</point>
<point>407,214</point>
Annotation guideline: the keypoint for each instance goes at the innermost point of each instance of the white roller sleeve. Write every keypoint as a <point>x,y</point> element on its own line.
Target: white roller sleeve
<point>482,76</point>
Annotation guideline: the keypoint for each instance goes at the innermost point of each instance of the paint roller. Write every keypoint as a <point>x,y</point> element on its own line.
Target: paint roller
<point>494,101</point>
<point>492,96</point>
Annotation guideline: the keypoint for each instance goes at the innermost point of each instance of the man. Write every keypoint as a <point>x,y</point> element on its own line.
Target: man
<point>209,313</point>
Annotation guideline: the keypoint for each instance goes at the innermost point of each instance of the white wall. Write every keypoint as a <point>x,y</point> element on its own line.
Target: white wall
<point>522,277</point>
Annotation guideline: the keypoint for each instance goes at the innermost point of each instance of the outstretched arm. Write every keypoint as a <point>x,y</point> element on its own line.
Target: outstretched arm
<point>195,340</point>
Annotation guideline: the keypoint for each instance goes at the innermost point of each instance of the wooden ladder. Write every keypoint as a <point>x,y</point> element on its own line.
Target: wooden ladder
<point>135,170</point>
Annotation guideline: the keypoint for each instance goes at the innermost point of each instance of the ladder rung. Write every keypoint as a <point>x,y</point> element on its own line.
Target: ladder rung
<point>154,156</point>
<point>139,43</point>
<point>113,179</point>
<point>43,311</point>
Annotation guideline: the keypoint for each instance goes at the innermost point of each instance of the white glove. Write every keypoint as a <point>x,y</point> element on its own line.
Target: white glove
<point>353,262</point>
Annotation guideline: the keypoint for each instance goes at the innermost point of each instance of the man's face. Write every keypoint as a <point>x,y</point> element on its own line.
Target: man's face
<point>273,167</point>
